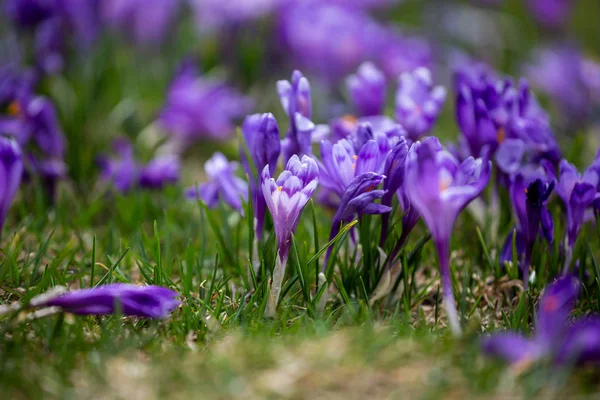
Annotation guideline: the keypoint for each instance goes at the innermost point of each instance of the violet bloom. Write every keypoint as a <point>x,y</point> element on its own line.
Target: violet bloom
<point>418,102</point>
<point>222,184</point>
<point>216,14</point>
<point>131,300</point>
<point>122,171</point>
<point>358,199</point>
<point>397,54</point>
<point>440,188</point>
<point>295,100</point>
<point>198,107</point>
<point>394,170</point>
<point>147,22</point>
<point>307,29</point>
<point>261,136</point>
<point>551,13</point>
<point>554,340</point>
<point>367,90</point>
<point>546,72</point>
<point>578,192</point>
<point>286,197</point>
<point>160,172</point>
<point>529,193</point>
<point>11,172</point>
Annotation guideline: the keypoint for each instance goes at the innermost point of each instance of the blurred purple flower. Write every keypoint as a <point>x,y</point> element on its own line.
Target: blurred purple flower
<point>222,184</point>
<point>296,102</point>
<point>140,301</point>
<point>578,193</point>
<point>217,14</point>
<point>397,54</point>
<point>554,339</point>
<point>160,171</point>
<point>122,171</point>
<point>358,198</point>
<point>307,30</point>
<point>547,70</point>
<point>261,137</point>
<point>198,107</point>
<point>418,102</point>
<point>367,90</point>
<point>147,22</point>
<point>11,173</point>
<point>551,13</point>
<point>286,197</point>
<point>28,14</point>
<point>440,188</point>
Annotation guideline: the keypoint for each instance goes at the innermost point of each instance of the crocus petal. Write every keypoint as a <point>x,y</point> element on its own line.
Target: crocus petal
<point>510,347</point>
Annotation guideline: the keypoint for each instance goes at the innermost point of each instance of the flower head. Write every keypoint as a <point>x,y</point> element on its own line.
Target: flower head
<point>551,13</point>
<point>261,135</point>
<point>418,102</point>
<point>122,170</point>
<point>578,193</point>
<point>288,195</point>
<point>147,22</point>
<point>553,339</point>
<point>222,184</point>
<point>131,300</point>
<point>160,171</point>
<point>11,172</point>
<point>199,107</point>
<point>367,90</point>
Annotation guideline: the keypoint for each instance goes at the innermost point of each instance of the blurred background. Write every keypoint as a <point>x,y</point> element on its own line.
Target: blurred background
<point>178,76</point>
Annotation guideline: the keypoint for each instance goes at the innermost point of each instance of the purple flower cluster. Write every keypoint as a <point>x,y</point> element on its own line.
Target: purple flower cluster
<point>554,340</point>
<point>125,173</point>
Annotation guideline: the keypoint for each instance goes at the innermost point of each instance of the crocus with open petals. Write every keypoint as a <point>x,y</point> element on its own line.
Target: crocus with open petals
<point>222,184</point>
<point>554,339</point>
<point>418,102</point>
<point>286,197</point>
<point>440,188</point>
<point>261,135</point>
<point>367,90</point>
<point>11,172</point>
<point>131,300</point>
<point>578,193</point>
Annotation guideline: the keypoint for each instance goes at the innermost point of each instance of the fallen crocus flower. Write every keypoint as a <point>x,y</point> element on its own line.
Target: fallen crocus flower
<point>554,339</point>
<point>131,300</point>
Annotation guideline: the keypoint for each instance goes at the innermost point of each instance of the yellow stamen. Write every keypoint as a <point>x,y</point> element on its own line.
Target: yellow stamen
<point>355,157</point>
<point>526,191</point>
<point>444,184</point>
<point>280,188</point>
<point>14,108</point>
<point>350,119</point>
<point>501,135</point>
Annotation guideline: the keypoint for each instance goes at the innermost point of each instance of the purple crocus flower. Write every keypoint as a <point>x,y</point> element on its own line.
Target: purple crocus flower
<point>286,197</point>
<point>418,102</point>
<point>132,300</point>
<point>439,188</point>
<point>578,193</point>
<point>367,90</point>
<point>394,170</point>
<point>147,22</point>
<point>11,173</point>
<point>198,107</point>
<point>222,184</point>
<point>358,199</point>
<point>397,53</point>
<point>161,171</point>
<point>295,100</point>
<point>553,339</point>
<point>122,171</point>
<point>551,13</point>
<point>216,14</point>
<point>529,192</point>
<point>261,135</point>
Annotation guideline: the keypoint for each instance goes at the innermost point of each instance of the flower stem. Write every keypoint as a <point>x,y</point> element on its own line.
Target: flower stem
<point>568,258</point>
<point>449,301</point>
<point>275,291</point>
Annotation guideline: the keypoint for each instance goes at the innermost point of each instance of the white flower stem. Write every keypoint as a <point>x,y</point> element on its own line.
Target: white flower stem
<point>275,290</point>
